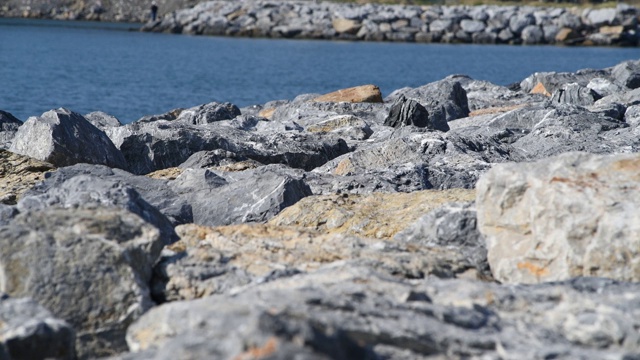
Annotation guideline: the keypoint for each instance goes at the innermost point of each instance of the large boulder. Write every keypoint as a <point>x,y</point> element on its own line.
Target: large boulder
<point>65,138</point>
<point>208,113</point>
<point>30,332</point>
<point>18,174</point>
<point>352,312</point>
<point>89,267</point>
<point>409,112</point>
<point>575,94</point>
<point>627,74</point>
<point>558,218</point>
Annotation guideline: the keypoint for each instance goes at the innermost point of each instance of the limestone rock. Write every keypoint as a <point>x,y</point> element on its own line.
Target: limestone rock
<point>88,267</point>
<point>567,216</point>
<point>9,125</point>
<point>345,25</point>
<point>209,113</point>
<point>347,126</point>
<point>18,173</point>
<point>29,331</point>
<point>102,120</point>
<point>575,94</point>
<point>377,215</point>
<point>627,74</point>
<point>65,138</point>
<point>358,94</point>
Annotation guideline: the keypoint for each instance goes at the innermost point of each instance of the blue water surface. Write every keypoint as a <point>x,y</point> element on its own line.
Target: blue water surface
<point>88,66</point>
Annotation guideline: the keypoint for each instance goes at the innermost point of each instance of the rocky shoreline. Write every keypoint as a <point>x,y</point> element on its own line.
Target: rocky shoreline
<point>426,24</point>
<point>371,22</point>
<point>459,219</point>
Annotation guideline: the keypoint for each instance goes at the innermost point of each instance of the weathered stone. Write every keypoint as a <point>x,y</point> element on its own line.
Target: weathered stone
<point>377,215</point>
<point>346,312</point>
<point>572,215</point>
<point>599,17</point>
<point>64,138</point>
<point>540,89</point>
<point>409,112</point>
<point>575,94</point>
<point>358,94</point>
<point>472,26</point>
<point>88,267</point>
<point>346,25</point>
<point>29,331</point>
<point>208,113</point>
<point>348,126</point>
<point>9,125</point>
<point>102,120</point>
<point>627,74</point>
<point>205,159</point>
<point>532,34</point>
<point>18,174</point>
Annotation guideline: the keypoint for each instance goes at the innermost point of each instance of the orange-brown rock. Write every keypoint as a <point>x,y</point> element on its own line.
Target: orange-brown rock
<point>18,174</point>
<point>565,34</point>
<point>267,113</point>
<point>612,30</point>
<point>346,25</point>
<point>358,94</point>
<point>540,89</point>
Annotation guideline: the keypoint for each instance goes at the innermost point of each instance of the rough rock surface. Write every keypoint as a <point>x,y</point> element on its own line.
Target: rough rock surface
<point>9,124</point>
<point>64,138</point>
<point>89,268</point>
<point>25,323</point>
<point>351,312</point>
<point>378,215</point>
<point>572,215</point>
<point>18,174</point>
<point>358,94</point>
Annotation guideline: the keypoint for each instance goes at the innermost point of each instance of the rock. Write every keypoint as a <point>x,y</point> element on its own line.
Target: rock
<point>532,34</point>
<point>562,214</point>
<point>519,22</point>
<point>7,213</point>
<point>18,173</point>
<point>9,125</point>
<point>452,226</point>
<point>472,26</point>
<point>62,138</point>
<point>409,112</point>
<point>548,82</point>
<point>627,74</point>
<point>575,94</point>
<point>88,267</point>
<point>599,17</point>
<point>29,331</point>
<point>353,310</point>
<point>358,94</point>
<point>346,25</point>
<point>102,120</point>
<point>604,87</point>
<point>444,100</point>
<point>92,186</point>
<point>209,113</point>
<point>377,215</point>
<point>632,115</point>
<point>205,159</point>
<point>346,126</point>
<point>222,260</point>
<point>540,89</point>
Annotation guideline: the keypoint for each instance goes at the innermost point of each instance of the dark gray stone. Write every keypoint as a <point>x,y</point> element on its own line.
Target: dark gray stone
<point>627,74</point>
<point>7,212</point>
<point>9,125</point>
<point>30,332</point>
<point>208,113</point>
<point>409,112</point>
<point>62,138</point>
<point>204,159</point>
<point>102,120</point>
<point>575,94</point>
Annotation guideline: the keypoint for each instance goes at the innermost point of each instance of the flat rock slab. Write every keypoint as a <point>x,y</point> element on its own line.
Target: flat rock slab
<point>572,215</point>
<point>18,173</point>
<point>378,215</point>
<point>88,267</point>
<point>358,94</point>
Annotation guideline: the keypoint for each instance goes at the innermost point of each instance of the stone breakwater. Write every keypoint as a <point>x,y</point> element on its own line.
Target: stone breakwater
<point>437,24</point>
<point>456,220</point>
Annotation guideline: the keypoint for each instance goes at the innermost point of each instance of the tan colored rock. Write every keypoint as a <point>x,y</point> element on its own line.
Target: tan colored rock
<point>18,173</point>
<point>346,25</point>
<point>246,254</point>
<point>377,215</point>
<point>566,34</point>
<point>540,89</point>
<point>612,30</point>
<point>267,113</point>
<point>577,214</point>
<point>358,94</point>
<point>166,174</point>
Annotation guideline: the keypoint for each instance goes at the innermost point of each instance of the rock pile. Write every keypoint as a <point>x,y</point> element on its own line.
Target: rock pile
<point>487,24</point>
<point>459,219</point>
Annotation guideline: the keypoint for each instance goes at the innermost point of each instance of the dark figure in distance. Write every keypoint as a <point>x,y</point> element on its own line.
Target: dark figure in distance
<point>154,10</point>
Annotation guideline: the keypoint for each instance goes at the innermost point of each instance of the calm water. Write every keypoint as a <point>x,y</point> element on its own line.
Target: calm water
<point>87,67</point>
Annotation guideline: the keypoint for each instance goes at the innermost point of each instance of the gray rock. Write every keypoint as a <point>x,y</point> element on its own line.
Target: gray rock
<point>562,213</point>
<point>409,112</point>
<point>472,26</point>
<point>575,94</point>
<point>208,113</point>
<point>445,100</point>
<point>452,226</point>
<point>90,187</point>
<point>64,138</point>
<point>604,86</point>
<point>352,310</point>
<point>532,34</point>
<point>88,267</point>
<point>632,115</point>
<point>9,125</point>
<point>553,81</point>
<point>7,212</point>
<point>29,331</point>
<point>599,17</point>
<point>519,22</point>
<point>102,120</point>
<point>627,74</point>
<point>205,159</point>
